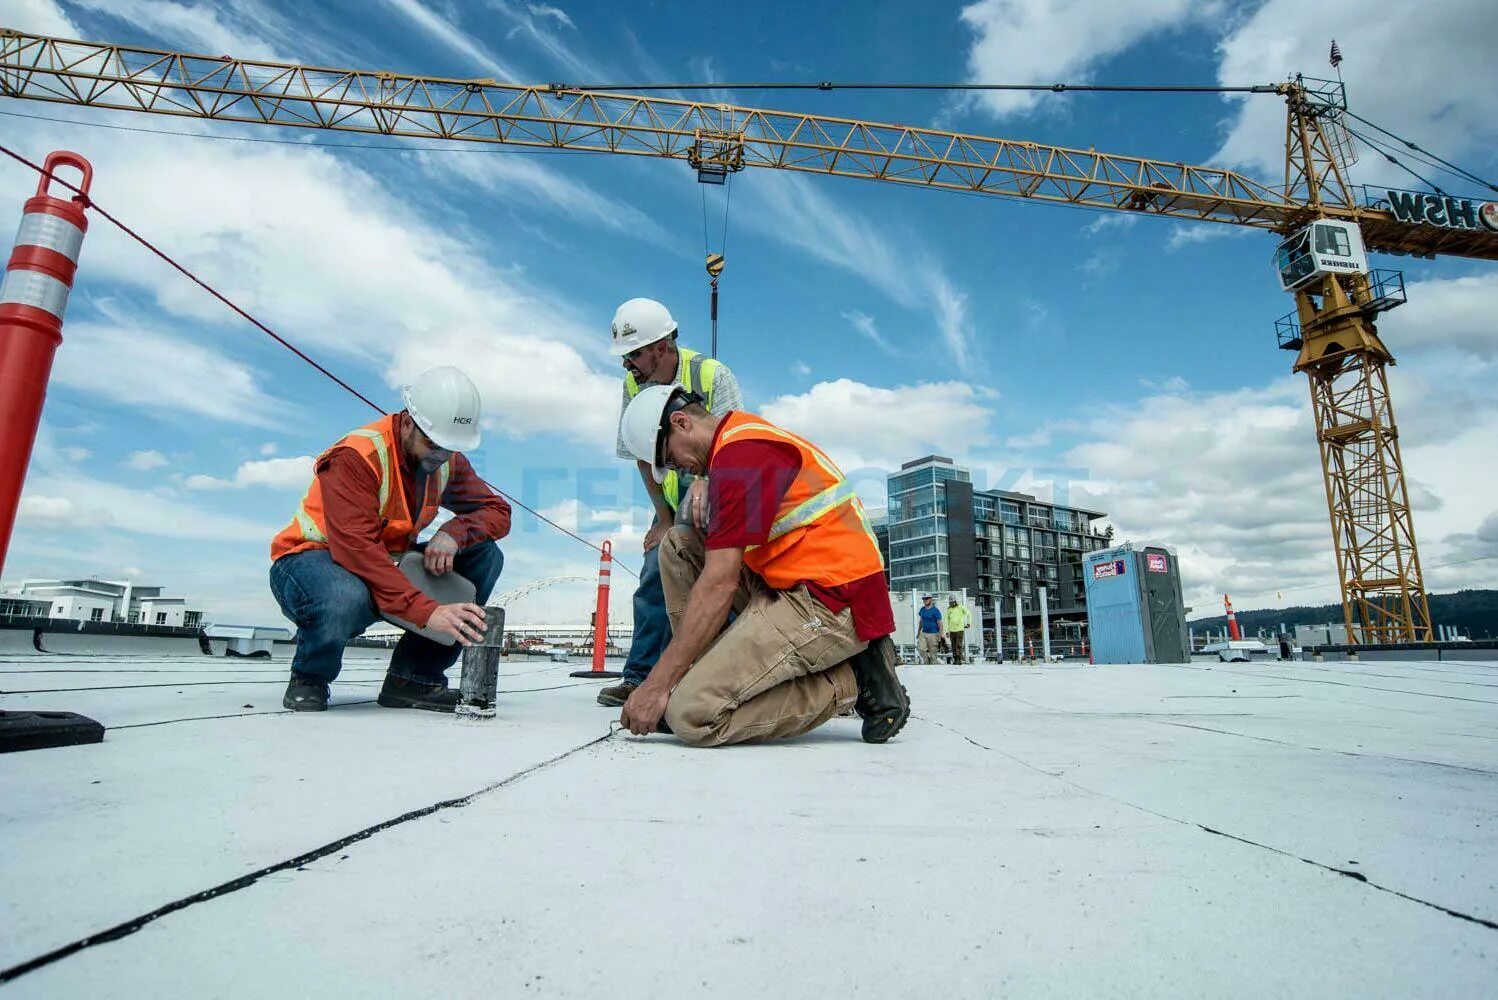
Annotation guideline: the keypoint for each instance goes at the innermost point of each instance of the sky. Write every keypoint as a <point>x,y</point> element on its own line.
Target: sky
<point>1122,363</point>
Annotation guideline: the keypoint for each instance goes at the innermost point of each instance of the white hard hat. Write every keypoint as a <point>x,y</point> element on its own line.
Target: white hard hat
<point>445,405</point>
<point>639,322</point>
<point>643,423</point>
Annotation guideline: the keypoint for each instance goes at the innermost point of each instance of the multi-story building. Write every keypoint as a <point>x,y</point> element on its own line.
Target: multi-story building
<point>944,536</point>
<point>94,600</point>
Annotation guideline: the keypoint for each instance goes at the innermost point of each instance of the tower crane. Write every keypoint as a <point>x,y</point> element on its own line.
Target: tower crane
<point>1325,229</point>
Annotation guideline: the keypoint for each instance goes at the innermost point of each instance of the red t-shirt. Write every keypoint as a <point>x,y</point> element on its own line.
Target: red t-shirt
<point>746,482</point>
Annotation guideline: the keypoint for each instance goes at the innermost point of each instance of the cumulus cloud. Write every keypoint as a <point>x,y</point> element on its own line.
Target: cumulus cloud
<point>274,473</point>
<point>1021,41</point>
<point>863,426</point>
<point>145,461</point>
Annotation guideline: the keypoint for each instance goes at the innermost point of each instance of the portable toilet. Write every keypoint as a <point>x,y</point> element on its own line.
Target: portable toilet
<point>1135,610</point>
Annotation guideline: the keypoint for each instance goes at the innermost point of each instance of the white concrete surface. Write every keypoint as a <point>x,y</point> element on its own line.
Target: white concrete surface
<point>1035,831</point>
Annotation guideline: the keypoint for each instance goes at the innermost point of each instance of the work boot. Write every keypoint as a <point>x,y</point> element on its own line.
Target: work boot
<point>397,692</point>
<point>613,697</point>
<point>305,694</point>
<point>882,701</point>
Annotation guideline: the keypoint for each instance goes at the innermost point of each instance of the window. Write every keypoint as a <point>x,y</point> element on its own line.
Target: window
<point>1009,511</point>
<point>96,615</point>
<point>1332,240</point>
<point>60,609</point>
<point>161,618</point>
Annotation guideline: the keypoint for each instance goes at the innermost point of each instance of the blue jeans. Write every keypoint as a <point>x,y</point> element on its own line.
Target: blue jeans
<point>652,627</point>
<point>330,606</point>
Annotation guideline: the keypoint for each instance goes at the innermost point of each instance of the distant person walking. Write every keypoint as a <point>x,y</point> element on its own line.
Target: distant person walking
<point>958,619</point>
<point>929,637</point>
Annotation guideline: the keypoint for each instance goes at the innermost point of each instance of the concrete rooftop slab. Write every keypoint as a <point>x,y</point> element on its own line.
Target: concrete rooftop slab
<point>1227,830</point>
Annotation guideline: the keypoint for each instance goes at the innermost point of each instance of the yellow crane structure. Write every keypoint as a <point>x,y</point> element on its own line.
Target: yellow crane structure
<point>1325,229</point>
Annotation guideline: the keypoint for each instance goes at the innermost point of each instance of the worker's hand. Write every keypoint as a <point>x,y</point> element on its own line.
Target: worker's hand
<point>644,709</point>
<point>654,534</point>
<point>464,622</point>
<point>696,504</point>
<point>439,553</point>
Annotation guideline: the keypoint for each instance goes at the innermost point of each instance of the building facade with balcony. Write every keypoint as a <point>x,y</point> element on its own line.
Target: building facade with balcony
<point>94,600</point>
<point>998,545</point>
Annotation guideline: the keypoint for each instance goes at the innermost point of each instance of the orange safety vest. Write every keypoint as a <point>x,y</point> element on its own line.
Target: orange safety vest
<point>820,533</point>
<point>376,444</point>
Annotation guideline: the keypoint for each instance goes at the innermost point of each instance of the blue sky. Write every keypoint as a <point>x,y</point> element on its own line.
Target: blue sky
<point>885,323</point>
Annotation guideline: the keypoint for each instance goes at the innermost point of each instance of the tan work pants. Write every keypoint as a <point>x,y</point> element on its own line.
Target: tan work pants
<point>926,644</point>
<point>780,669</point>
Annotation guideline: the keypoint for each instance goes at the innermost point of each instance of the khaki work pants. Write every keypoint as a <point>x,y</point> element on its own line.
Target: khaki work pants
<point>926,644</point>
<point>779,670</point>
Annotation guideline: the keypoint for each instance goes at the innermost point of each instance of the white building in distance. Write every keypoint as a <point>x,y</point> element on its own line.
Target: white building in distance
<point>94,600</point>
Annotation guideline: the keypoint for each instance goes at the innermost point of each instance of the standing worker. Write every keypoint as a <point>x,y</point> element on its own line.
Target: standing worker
<point>929,636</point>
<point>333,567</point>
<point>790,548</point>
<point>958,620</point>
<point>645,338</point>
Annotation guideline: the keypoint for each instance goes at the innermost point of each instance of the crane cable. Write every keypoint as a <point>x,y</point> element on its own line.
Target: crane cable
<point>715,260</point>
<point>91,203</point>
<point>1378,148</point>
<point>1415,148</point>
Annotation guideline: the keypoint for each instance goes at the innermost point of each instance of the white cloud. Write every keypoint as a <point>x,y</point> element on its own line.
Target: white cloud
<point>76,454</point>
<point>1383,50</point>
<point>519,176</point>
<point>865,426</point>
<point>269,448</point>
<point>41,17</point>
<point>1023,41</point>
<point>163,373</point>
<point>145,461</point>
<point>800,369</point>
<point>446,32</point>
<point>1107,221</point>
<point>205,28</point>
<point>555,13</point>
<point>80,503</point>
<point>864,324</point>
<point>275,473</point>
<point>792,209</point>
<point>1189,234</point>
<point>1454,312</point>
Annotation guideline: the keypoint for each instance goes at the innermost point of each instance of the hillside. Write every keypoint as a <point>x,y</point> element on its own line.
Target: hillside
<point>1472,612</point>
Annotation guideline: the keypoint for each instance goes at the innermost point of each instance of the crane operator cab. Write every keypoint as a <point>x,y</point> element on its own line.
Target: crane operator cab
<point>1326,246</point>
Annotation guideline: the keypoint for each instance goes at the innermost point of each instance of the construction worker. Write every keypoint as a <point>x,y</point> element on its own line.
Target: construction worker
<point>333,567</point>
<point>958,620</point>
<point>788,547</point>
<point>644,337</point>
<point>928,638</point>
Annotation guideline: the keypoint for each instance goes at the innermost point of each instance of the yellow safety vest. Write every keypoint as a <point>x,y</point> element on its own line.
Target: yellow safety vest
<point>697,372</point>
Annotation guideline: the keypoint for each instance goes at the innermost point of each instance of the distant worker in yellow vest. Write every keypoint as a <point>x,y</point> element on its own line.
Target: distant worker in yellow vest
<point>957,620</point>
<point>644,338</point>
<point>788,546</point>
<point>333,568</point>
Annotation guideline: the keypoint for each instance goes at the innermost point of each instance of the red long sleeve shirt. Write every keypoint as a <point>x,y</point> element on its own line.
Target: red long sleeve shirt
<point>351,505</point>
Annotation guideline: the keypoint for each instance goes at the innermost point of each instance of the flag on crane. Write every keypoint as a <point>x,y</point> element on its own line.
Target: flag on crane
<point>1336,56</point>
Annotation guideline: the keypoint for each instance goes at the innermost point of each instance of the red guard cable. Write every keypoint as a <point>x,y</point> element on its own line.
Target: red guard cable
<point>91,203</point>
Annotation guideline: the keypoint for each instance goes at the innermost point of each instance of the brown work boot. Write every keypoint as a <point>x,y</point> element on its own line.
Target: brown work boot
<point>614,697</point>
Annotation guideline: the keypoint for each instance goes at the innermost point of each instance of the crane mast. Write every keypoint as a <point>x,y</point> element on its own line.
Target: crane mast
<point>1331,329</point>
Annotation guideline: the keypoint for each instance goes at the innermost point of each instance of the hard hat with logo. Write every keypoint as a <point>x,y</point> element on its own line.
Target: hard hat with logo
<point>645,422</point>
<point>445,405</point>
<point>639,323</point>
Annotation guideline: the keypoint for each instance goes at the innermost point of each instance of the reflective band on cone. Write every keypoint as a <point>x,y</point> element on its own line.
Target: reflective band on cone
<point>33,300</point>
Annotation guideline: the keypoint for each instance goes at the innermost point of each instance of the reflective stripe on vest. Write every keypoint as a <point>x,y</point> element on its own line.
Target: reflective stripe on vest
<point>838,493</point>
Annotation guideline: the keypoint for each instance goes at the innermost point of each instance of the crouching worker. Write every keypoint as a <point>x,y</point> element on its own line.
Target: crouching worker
<point>789,548</point>
<point>333,568</point>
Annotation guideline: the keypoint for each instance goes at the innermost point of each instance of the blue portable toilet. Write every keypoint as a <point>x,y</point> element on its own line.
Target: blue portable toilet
<point>1135,610</point>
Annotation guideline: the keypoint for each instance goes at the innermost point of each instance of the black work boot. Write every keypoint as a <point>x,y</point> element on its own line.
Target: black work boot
<point>400,693</point>
<point>613,697</point>
<point>305,694</point>
<point>882,701</point>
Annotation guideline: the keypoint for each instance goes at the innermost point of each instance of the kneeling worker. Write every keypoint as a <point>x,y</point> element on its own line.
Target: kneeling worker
<point>787,546</point>
<point>333,567</point>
